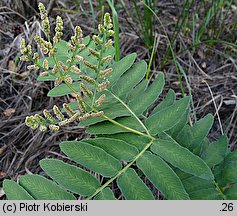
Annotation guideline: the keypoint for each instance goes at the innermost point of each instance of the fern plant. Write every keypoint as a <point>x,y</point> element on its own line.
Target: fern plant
<point>111,101</point>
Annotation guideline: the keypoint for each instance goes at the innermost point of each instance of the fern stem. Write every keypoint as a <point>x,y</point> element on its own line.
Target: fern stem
<point>98,70</point>
<point>125,105</point>
<point>121,171</point>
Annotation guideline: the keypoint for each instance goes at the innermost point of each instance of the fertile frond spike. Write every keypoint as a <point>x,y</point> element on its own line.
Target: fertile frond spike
<point>75,117</point>
<point>89,65</point>
<point>107,21</point>
<point>81,103</point>
<point>45,46</point>
<point>54,127</point>
<point>105,72</point>
<point>63,66</point>
<point>40,119</point>
<point>111,33</point>
<point>44,74</point>
<point>106,59</point>
<point>109,43</point>
<point>55,69</point>
<point>68,79</point>
<point>70,112</point>
<point>58,30</point>
<point>31,122</point>
<point>72,119</point>
<point>24,58</point>
<point>46,25</point>
<point>74,69</point>
<point>97,40</point>
<point>22,44</point>
<point>78,58</point>
<point>103,86</point>
<point>46,64</point>
<point>96,115</point>
<point>100,100</point>
<point>88,80</point>
<point>84,117</point>
<point>26,50</point>
<point>94,53</point>
<point>64,122</point>
<point>101,28</point>
<point>85,90</point>
<point>77,38</point>
<point>36,56</point>
<point>57,82</point>
<point>43,12</point>
<point>58,113</point>
<point>48,116</point>
<point>42,128</point>
<point>32,67</point>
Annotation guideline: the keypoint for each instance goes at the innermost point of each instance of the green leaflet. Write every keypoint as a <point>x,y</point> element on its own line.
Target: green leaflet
<point>182,158</point>
<point>137,90</point>
<point>225,172</point>
<point>133,187</point>
<point>231,193</point>
<point>117,148</point>
<point>162,176</point>
<point>182,175</point>
<point>229,174</point>
<point>216,151</point>
<point>41,188</point>
<point>105,194</point>
<point>194,183</point>
<point>110,128</point>
<point>206,194</point>
<point>70,177</point>
<point>167,118</point>
<point>174,131</point>
<point>91,157</point>
<point>133,139</point>
<point>121,67</point>
<point>168,101</point>
<point>192,137</point>
<point>141,102</point>
<point>14,191</point>
<point>63,89</point>
<point>130,79</point>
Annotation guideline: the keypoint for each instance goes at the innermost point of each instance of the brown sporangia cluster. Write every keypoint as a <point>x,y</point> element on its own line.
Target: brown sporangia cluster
<point>89,97</point>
